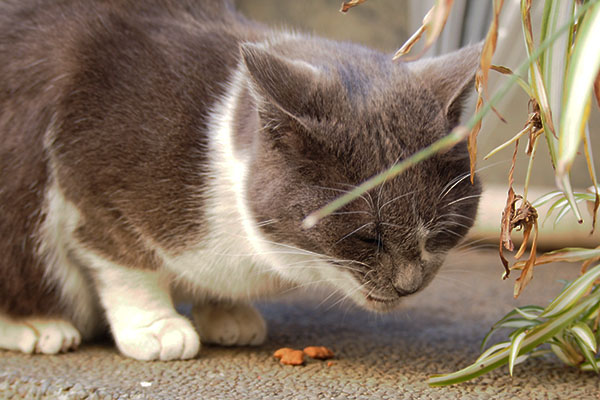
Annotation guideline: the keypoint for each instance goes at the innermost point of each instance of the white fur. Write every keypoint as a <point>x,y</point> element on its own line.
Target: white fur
<point>237,261</point>
<point>140,311</point>
<point>56,240</point>
<point>234,263</point>
<point>38,335</point>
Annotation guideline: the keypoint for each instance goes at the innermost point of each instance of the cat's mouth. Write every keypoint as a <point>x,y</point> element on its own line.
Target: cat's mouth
<point>376,299</point>
<point>381,304</point>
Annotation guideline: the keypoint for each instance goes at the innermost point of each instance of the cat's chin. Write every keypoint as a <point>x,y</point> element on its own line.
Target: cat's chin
<point>376,303</point>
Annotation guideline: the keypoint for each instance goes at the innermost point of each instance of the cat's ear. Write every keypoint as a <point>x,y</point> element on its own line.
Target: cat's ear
<point>451,77</point>
<point>288,84</point>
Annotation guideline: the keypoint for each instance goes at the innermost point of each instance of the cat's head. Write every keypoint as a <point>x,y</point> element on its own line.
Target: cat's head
<point>332,116</point>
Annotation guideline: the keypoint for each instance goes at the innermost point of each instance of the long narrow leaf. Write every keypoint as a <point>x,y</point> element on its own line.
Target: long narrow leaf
<point>515,347</point>
<point>582,331</point>
<point>534,338</point>
<point>572,293</point>
<point>581,74</point>
<point>446,142</point>
<point>587,354</point>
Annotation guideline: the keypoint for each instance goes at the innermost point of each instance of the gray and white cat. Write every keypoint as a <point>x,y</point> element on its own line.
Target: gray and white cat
<point>164,151</point>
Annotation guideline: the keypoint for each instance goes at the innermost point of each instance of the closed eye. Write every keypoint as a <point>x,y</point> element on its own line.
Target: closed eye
<point>371,241</point>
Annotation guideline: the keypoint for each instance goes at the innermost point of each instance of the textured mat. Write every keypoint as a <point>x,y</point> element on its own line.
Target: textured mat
<point>378,356</point>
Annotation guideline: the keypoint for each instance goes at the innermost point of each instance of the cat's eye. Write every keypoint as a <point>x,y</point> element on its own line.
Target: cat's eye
<point>371,241</point>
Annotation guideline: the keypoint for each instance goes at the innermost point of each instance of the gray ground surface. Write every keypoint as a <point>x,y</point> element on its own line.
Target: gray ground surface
<point>378,356</point>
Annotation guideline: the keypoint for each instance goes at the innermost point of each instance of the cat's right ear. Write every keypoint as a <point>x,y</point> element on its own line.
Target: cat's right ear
<point>291,85</point>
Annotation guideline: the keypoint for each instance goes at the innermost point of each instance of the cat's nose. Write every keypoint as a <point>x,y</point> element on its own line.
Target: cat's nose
<point>409,279</point>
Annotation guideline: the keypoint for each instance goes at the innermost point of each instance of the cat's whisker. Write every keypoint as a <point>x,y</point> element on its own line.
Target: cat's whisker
<point>453,223</point>
<point>391,225</point>
<point>474,196</point>
<point>267,222</point>
<point>342,191</point>
<point>454,215</point>
<point>396,198</point>
<point>470,242</point>
<point>309,284</point>
<point>369,201</point>
<point>355,231</point>
<point>454,182</point>
<point>349,294</point>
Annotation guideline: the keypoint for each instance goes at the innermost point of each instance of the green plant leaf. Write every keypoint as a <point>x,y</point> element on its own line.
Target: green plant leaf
<point>530,312</point>
<point>457,135</point>
<point>581,73</point>
<point>493,349</point>
<point>587,354</point>
<point>540,201</point>
<point>572,293</point>
<point>582,331</point>
<point>562,355</point>
<point>515,347</point>
<point>536,336</point>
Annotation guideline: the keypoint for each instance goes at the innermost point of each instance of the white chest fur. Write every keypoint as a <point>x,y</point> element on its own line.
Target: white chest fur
<point>233,260</point>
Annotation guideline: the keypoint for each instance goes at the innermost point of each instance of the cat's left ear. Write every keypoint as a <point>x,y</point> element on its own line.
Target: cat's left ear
<point>291,85</point>
<point>450,77</point>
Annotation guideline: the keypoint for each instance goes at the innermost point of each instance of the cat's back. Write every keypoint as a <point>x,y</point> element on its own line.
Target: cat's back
<point>106,96</point>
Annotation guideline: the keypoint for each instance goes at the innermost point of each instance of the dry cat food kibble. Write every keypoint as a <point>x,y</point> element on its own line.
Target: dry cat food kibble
<point>289,356</point>
<point>318,352</point>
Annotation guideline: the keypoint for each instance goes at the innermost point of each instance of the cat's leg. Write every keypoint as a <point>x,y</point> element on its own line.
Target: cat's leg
<point>38,335</point>
<point>229,324</point>
<point>141,314</point>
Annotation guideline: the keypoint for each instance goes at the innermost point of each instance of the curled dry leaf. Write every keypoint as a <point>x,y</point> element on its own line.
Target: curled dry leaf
<point>433,24</point>
<point>349,4</point>
<point>507,214</point>
<point>525,218</point>
<point>593,206</point>
<point>472,140</point>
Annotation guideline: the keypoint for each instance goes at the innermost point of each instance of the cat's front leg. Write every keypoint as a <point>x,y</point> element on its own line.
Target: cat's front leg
<point>229,324</point>
<point>141,314</point>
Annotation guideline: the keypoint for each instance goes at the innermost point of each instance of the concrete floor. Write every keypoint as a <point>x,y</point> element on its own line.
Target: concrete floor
<point>378,356</point>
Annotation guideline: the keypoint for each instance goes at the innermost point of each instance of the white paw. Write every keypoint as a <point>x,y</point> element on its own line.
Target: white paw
<point>172,338</point>
<point>228,325</point>
<point>38,335</point>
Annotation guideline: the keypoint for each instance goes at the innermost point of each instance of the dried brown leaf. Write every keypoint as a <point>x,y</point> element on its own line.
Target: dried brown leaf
<point>489,48</point>
<point>597,89</point>
<point>538,80</point>
<point>349,4</point>
<point>433,24</point>
<point>472,140</point>
<point>507,214</point>
<point>525,217</point>
<point>593,206</point>
<point>527,273</point>
<point>408,45</point>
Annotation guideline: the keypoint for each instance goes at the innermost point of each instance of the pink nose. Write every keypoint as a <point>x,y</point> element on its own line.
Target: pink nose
<point>409,279</point>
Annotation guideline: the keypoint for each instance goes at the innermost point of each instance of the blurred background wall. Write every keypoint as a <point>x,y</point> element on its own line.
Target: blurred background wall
<point>386,24</point>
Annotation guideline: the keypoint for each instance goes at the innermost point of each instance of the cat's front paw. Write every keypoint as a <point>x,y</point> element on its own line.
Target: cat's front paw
<point>172,338</point>
<point>38,335</point>
<point>229,325</point>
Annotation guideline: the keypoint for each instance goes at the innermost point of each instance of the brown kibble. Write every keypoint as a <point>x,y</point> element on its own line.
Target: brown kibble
<point>289,356</point>
<point>330,363</point>
<point>318,352</point>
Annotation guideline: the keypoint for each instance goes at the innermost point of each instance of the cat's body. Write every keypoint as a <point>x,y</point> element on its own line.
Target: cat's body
<point>162,151</point>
